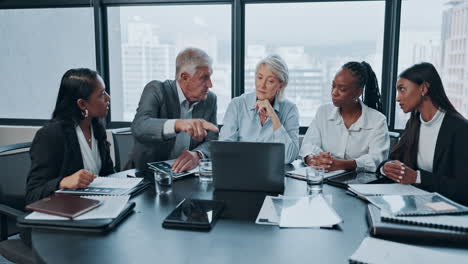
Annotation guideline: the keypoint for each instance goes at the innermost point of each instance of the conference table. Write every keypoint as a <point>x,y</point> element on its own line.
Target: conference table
<point>235,238</point>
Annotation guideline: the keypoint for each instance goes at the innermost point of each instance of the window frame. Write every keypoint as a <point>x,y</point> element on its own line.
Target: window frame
<point>389,61</point>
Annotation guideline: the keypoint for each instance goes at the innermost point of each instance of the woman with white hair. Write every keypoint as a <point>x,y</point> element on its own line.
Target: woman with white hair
<point>264,115</point>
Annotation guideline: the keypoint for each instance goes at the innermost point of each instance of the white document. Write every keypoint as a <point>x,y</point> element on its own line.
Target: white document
<point>110,208</point>
<point>309,211</point>
<point>270,212</point>
<point>111,182</point>
<point>373,250</point>
<point>385,189</point>
<point>106,186</point>
<point>301,173</point>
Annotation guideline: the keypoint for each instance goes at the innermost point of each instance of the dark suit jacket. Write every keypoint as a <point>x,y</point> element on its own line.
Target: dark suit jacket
<point>160,102</point>
<point>449,175</point>
<point>55,154</point>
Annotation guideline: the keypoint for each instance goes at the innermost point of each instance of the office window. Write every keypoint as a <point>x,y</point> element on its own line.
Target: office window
<point>37,47</point>
<point>145,40</point>
<point>315,40</point>
<point>437,34</point>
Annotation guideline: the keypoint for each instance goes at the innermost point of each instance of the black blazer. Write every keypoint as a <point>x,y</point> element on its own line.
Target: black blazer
<point>449,175</point>
<point>55,154</point>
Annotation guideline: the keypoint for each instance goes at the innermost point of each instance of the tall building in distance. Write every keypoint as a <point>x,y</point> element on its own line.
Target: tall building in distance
<point>455,53</point>
<point>144,59</point>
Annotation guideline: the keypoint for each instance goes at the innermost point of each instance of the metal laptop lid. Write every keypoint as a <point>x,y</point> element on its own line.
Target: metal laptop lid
<point>248,166</point>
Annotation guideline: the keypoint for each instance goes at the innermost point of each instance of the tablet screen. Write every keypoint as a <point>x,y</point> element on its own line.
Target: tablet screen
<point>195,212</point>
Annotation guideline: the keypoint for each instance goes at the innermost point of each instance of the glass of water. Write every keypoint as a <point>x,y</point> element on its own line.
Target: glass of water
<point>314,179</point>
<point>163,182</point>
<point>205,170</point>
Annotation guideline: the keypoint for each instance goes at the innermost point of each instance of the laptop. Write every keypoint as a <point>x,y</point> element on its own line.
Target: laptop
<point>248,166</point>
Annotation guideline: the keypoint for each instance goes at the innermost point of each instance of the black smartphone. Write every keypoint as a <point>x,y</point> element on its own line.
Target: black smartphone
<point>194,214</point>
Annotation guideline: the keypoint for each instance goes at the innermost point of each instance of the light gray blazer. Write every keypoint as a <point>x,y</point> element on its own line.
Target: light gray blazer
<point>158,103</point>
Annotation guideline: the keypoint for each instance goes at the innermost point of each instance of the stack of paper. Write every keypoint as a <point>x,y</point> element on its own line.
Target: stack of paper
<point>110,208</point>
<point>308,211</point>
<point>106,186</point>
<point>364,191</point>
<point>373,250</point>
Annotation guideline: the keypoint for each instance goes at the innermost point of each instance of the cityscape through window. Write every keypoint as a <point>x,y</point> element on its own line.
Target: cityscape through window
<point>315,40</point>
<point>438,35</point>
<point>144,42</point>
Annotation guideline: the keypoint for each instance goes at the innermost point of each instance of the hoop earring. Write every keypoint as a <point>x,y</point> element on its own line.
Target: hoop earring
<point>85,113</point>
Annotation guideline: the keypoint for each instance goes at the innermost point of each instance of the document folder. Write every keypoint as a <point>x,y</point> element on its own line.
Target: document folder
<point>91,225</point>
<point>64,205</point>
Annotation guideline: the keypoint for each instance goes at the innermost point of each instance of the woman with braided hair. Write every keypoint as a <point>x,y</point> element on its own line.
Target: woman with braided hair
<point>350,133</point>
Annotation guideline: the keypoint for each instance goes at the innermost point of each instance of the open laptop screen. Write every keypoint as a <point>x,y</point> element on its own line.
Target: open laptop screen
<point>248,166</point>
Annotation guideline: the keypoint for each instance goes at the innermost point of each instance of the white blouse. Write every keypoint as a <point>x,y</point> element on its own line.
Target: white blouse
<point>428,134</point>
<point>91,157</point>
<point>366,141</point>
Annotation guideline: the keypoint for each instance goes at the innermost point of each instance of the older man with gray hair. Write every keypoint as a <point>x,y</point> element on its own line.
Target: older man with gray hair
<point>176,119</point>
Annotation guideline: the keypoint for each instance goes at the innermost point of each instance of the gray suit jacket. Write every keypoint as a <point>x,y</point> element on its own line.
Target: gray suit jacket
<point>158,103</point>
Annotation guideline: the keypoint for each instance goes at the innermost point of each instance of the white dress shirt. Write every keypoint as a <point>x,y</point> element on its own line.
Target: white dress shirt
<point>91,157</point>
<point>182,139</point>
<point>366,141</point>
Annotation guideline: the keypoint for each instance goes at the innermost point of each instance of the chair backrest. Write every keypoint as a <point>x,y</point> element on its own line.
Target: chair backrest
<point>394,137</point>
<point>123,146</point>
<point>15,164</point>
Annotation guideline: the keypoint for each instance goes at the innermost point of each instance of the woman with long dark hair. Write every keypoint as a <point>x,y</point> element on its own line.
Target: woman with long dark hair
<point>433,150</point>
<point>71,149</point>
<point>350,133</point>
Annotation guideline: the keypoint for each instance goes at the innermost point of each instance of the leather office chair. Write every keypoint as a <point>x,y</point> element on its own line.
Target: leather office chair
<point>123,145</point>
<point>14,164</point>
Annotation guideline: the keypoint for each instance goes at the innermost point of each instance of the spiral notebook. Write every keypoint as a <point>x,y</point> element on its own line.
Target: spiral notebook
<point>413,205</point>
<point>427,230</point>
<point>452,222</point>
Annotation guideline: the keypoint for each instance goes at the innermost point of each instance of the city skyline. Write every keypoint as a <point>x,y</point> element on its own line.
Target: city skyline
<point>313,54</point>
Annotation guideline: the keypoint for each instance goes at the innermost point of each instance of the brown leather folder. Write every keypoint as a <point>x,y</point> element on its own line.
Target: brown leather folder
<point>64,205</point>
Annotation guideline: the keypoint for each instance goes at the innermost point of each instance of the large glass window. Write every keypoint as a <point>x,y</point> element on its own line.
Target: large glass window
<point>144,42</point>
<point>438,34</point>
<point>315,39</point>
<point>37,47</point>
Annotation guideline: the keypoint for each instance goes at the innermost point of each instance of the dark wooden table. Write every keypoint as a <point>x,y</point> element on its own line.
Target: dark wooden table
<point>235,238</point>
